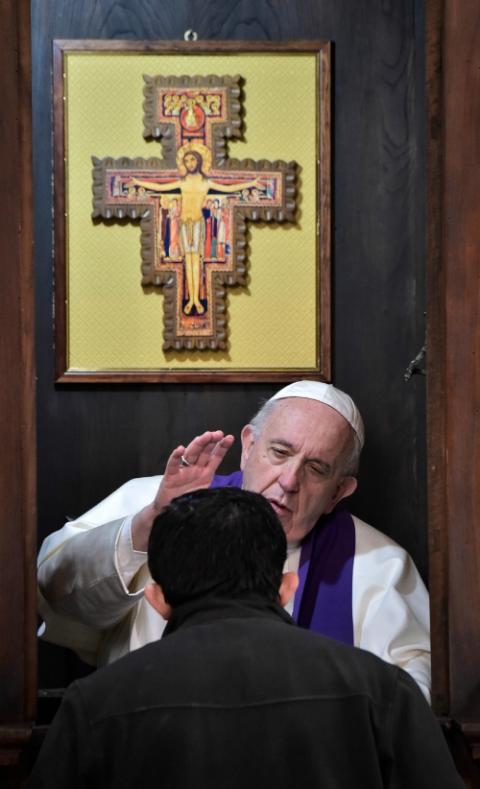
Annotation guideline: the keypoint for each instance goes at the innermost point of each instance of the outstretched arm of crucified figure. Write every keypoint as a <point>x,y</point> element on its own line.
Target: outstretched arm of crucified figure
<point>230,188</point>
<point>203,456</point>
<point>154,186</point>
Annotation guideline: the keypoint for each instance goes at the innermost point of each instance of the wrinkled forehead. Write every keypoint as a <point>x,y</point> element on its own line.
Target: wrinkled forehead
<point>303,419</point>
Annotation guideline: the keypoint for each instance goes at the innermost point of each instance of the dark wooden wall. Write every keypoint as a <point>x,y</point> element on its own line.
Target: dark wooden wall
<point>17,396</point>
<point>453,71</point>
<point>93,438</point>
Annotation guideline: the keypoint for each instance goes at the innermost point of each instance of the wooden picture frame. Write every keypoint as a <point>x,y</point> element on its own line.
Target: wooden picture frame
<point>282,334</point>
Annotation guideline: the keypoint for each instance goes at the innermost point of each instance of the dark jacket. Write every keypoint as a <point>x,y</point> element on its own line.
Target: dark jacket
<point>235,695</point>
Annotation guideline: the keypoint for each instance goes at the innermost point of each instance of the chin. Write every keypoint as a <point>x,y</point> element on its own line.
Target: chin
<point>288,527</point>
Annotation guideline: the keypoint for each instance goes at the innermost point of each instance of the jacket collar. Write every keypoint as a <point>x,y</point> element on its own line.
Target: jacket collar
<point>211,608</point>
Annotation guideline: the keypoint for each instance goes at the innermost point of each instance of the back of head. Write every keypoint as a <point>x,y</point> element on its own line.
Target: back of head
<point>222,541</point>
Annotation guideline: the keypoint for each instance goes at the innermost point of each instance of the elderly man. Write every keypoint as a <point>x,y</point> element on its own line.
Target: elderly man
<point>301,453</point>
<point>233,695</point>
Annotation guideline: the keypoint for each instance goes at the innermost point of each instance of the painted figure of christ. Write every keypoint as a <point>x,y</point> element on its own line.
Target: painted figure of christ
<point>194,187</point>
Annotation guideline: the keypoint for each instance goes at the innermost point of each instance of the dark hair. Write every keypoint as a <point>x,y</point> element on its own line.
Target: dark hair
<point>222,541</point>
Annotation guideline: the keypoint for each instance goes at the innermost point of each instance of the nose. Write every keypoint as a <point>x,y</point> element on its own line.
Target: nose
<point>290,477</point>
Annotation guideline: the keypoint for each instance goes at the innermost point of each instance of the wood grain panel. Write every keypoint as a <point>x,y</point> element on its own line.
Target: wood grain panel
<point>453,280</point>
<point>461,244</point>
<point>17,388</point>
<point>436,380</point>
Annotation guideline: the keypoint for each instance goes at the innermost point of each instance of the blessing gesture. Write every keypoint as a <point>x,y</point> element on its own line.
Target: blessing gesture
<point>188,468</point>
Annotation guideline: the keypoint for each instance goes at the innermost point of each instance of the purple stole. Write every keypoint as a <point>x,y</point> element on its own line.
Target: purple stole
<point>323,601</point>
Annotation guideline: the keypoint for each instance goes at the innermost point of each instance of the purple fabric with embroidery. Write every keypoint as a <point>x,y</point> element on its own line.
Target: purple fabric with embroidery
<point>323,601</point>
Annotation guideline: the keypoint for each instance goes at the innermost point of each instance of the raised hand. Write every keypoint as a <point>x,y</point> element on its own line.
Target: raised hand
<point>188,468</point>
<point>192,467</point>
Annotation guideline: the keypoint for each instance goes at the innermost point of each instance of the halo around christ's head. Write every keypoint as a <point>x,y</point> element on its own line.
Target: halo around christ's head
<point>194,147</point>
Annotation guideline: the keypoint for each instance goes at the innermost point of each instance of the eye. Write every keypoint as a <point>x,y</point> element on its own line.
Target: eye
<point>279,452</point>
<point>318,471</point>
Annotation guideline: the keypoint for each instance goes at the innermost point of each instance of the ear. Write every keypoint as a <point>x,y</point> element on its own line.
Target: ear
<point>154,594</point>
<point>288,587</point>
<point>247,444</point>
<point>346,487</point>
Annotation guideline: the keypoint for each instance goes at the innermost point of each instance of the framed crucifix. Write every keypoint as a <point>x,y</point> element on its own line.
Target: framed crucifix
<point>192,211</point>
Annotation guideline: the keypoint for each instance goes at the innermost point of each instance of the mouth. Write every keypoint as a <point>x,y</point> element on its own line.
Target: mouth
<point>281,509</point>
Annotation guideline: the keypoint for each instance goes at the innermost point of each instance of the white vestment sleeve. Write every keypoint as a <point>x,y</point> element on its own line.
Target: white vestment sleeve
<point>390,605</point>
<point>86,568</point>
<point>127,561</point>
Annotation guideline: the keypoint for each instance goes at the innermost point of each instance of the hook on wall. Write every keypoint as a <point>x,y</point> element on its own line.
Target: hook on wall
<point>416,366</point>
<point>190,35</point>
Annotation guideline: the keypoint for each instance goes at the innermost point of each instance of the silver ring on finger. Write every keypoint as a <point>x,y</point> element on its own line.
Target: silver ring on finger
<point>185,462</point>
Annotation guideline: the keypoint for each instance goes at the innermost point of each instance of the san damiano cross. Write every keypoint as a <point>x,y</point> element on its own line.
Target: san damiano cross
<point>194,202</point>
